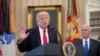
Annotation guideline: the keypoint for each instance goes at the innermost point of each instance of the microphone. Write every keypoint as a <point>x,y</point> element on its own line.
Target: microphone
<point>52,28</point>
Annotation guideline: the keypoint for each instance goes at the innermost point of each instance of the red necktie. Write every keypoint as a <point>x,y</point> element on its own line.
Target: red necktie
<point>44,37</point>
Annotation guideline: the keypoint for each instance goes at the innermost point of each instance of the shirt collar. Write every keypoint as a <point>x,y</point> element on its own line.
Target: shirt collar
<point>86,39</point>
<point>42,29</point>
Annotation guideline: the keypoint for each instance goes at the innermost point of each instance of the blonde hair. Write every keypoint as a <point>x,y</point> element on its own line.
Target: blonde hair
<point>42,13</point>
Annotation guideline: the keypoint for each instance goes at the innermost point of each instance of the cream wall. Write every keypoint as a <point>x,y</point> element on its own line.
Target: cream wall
<point>21,13</point>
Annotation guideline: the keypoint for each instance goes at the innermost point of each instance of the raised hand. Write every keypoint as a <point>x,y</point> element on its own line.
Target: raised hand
<point>22,33</point>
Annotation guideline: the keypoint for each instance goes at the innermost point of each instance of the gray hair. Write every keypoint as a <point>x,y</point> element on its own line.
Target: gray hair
<point>88,26</point>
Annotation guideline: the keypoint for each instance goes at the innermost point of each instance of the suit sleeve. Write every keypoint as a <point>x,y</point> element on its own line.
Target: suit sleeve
<point>23,46</point>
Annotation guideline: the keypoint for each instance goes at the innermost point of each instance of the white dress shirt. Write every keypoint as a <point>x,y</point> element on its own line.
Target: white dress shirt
<point>41,35</point>
<point>88,41</point>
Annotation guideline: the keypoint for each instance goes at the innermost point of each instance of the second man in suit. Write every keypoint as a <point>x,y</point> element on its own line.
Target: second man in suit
<point>89,46</point>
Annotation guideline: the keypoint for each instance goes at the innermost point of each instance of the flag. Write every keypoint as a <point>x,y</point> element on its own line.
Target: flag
<point>1,9</point>
<point>8,37</point>
<point>72,33</point>
<point>7,23</point>
<point>5,14</point>
<point>7,34</point>
<point>1,39</point>
<point>1,27</point>
<point>7,44</point>
<point>8,49</point>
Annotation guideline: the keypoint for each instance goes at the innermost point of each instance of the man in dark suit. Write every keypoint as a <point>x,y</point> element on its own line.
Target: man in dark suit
<point>88,46</point>
<point>41,35</point>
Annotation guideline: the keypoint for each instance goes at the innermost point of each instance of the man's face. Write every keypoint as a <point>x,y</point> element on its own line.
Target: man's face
<point>43,20</point>
<point>85,32</point>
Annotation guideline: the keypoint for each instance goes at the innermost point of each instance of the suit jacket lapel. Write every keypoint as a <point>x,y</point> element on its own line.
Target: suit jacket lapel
<point>38,36</point>
<point>82,45</point>
<point>91,45</point>
<point>50,35</point>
